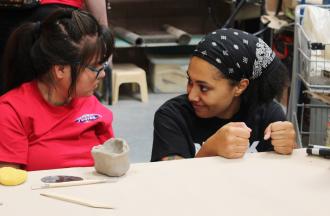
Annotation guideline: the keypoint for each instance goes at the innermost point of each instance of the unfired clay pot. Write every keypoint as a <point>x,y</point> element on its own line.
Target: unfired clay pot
<point>111,158</point>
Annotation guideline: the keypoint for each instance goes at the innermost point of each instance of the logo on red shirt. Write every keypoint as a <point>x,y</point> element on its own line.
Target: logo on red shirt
<point>87,118</point>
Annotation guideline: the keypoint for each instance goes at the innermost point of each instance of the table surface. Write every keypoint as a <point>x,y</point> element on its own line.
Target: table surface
<point>258,184</point>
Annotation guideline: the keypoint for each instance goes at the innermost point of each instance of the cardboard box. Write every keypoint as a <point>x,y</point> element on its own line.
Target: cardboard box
<point>291,4</point>
<point>271,5</point>
<point>168,74</point>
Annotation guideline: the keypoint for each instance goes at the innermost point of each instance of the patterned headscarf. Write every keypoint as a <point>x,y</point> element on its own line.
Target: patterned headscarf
<point>236,53</point>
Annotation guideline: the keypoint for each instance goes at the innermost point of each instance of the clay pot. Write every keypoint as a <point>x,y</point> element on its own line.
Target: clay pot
<point>111,158</point>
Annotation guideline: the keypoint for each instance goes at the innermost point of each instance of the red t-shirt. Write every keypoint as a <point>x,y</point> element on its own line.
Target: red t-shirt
<point>73,3</point>
<point>40,136</point>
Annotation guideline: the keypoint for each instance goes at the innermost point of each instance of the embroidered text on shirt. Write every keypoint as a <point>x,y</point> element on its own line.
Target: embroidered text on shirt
<point>87,118</point>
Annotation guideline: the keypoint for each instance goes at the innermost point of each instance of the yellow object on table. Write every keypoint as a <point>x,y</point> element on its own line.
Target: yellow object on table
<point>10,176</point>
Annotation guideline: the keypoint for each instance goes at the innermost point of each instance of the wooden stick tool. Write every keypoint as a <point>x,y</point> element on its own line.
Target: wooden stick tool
<point>77,200</point>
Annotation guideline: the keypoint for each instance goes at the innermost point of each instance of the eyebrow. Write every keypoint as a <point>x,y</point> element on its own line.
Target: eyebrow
<point>198,81</point>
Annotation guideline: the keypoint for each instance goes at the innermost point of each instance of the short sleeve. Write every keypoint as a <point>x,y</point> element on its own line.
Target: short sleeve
<point>13,140</point>
<point>171,136</point>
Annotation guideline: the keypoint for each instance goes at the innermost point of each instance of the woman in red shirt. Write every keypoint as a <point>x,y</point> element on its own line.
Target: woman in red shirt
<point>49,117</point>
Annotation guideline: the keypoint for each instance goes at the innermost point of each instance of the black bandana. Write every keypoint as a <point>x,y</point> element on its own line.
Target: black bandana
<point>236,53</point>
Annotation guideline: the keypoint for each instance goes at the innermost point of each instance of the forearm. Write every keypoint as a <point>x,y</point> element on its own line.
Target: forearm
<point>172,157</point>
<point>203,153</point>
<point>98,9</point>
<point>206,150</point>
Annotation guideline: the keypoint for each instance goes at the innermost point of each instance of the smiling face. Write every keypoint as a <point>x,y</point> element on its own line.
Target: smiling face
<point>210,94</point>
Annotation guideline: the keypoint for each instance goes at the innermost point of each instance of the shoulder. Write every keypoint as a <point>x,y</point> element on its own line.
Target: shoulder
<point>16,102</point>
<point>19,97</point>
<point>179,104</point>
<point>177,109</point>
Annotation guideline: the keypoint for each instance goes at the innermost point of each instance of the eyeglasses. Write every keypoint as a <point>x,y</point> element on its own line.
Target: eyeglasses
<point>104,66</point>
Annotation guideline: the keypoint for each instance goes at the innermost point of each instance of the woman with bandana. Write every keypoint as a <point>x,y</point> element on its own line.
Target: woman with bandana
<point>229,108</point>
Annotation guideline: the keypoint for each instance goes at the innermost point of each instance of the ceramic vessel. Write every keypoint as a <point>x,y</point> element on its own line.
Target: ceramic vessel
<point>111,158</point>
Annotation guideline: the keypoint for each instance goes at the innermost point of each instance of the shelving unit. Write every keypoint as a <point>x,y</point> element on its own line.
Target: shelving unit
<point>310,68</point>
<point>120,43</point>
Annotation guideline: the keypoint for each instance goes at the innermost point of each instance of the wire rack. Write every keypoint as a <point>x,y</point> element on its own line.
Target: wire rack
<point>311,71</point>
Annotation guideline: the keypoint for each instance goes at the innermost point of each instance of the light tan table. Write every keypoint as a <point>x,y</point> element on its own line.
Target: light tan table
<point>259,184</point>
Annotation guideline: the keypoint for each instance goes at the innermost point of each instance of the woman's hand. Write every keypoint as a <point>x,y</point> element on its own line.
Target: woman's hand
<point>283,136</point>
<point>230,141</point>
